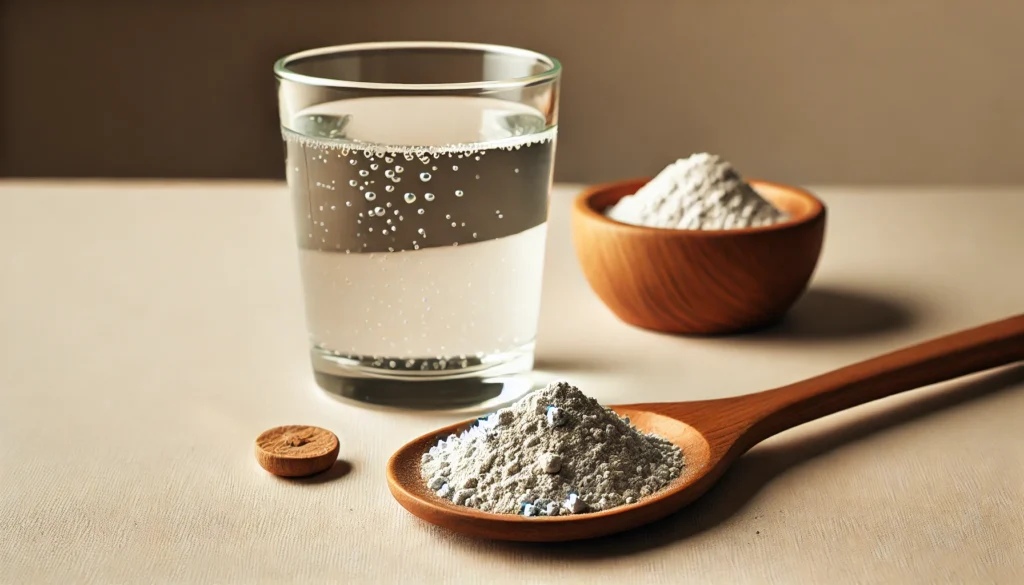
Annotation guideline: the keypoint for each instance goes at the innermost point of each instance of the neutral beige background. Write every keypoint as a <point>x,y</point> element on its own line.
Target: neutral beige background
<point>890,91</point>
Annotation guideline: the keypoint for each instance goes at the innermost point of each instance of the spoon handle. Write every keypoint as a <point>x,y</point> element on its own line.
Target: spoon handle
<point>944,358</point>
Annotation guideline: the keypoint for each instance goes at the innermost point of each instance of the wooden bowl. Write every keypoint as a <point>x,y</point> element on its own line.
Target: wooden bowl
<point>698,282</point>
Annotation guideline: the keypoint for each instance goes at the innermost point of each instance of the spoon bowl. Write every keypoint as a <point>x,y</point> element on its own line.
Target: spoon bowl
<point>714,433</point>
<point>409,488</point>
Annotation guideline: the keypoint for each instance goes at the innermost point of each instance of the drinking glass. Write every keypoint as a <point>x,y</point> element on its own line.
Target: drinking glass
<point>419,174</point>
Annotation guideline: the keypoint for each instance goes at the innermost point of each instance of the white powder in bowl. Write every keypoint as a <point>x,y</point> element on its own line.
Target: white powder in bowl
<point>702,192</point>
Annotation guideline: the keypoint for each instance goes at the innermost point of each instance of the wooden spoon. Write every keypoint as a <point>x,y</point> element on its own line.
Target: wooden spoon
<point>713,433</point>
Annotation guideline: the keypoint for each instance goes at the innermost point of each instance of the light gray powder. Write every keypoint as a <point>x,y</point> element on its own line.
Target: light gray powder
<point>702,192</point>
<point>556,451</point>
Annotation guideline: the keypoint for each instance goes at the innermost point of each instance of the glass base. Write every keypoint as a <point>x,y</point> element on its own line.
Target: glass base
<point>470,384</point>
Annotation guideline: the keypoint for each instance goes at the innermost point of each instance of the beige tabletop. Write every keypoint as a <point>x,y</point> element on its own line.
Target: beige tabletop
<point>150,331</point>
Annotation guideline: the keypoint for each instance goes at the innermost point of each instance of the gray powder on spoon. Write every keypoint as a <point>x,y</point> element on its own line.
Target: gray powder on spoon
<point>702,192</point>
<point>556,451</point>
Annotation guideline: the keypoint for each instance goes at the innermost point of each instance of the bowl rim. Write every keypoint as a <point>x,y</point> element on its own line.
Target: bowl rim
<point>582,206</point>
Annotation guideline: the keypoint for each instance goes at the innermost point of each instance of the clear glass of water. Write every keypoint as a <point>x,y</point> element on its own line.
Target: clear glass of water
<point>419,174</point>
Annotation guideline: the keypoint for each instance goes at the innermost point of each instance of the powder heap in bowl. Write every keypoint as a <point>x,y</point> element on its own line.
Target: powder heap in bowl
<point>702,192</point>
<point>556,451</point>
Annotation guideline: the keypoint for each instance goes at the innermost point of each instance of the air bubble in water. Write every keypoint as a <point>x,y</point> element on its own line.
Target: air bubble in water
<point>459,193</point>
<point>410,197</point>
<point>388,159</point>
<point>378,210</point>
<point>431,168</point>
<point>425,177</point>
<point>333,207</point>
<point>353,182</point>
<point>374,167</point>
<point>364,173</point>
<point>420,211</point>
<point>389,188</point>
<point>428,196</point>
<point>351,161</point>
<point>348,204</point>
<point>370,195</point>
<point>399,169</point>
<point>455,167</point>
<point>421,232</point>
<point>389,173</point>
<point>453,224</point>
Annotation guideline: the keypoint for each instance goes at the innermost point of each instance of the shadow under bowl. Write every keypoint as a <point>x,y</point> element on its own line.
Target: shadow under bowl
<point>698,281</point>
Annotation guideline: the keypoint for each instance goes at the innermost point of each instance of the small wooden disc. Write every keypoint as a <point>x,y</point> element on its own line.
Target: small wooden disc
<point>296,450</point>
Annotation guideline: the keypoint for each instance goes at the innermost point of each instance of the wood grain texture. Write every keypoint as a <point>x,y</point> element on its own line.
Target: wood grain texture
<point>713,433</point>
<point>296,450</point>
<point>698,282</point>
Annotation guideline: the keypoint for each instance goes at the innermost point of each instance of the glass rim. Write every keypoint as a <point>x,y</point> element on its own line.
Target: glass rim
<point>282,71</point>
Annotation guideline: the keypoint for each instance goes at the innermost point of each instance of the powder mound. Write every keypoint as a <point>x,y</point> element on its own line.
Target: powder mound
<point>556,451</point>
<point>702,192</point>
